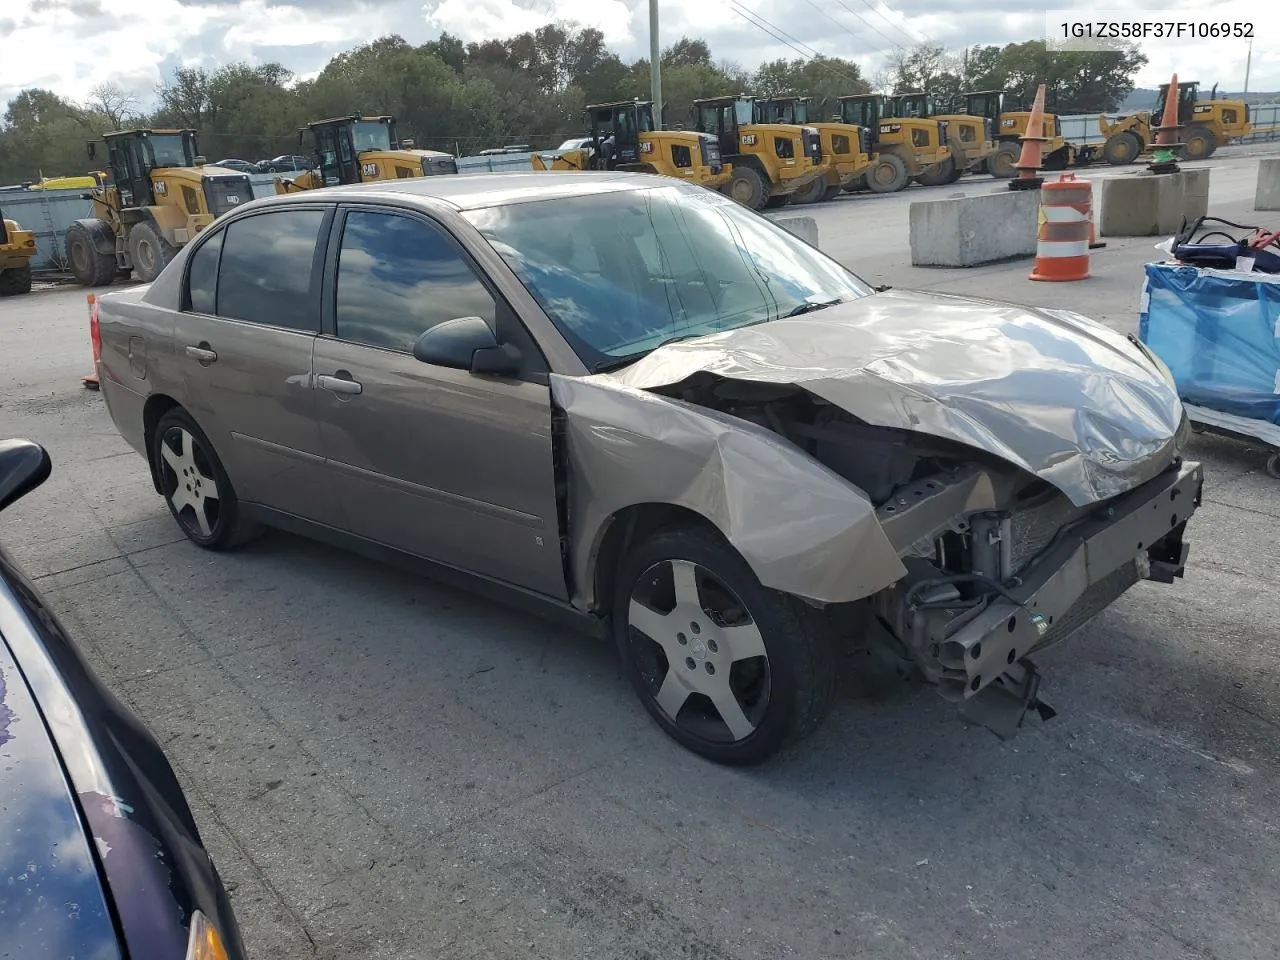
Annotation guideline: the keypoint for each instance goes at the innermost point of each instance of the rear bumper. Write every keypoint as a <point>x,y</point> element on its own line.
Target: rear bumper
<point>1139,536</point>
<point>794,183</point>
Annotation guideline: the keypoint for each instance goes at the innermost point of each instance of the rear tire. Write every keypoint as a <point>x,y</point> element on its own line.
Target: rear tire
<point>748,188</point>
<point>88,266</point>
<point>1197,143</point>
<point>149,251</point>
<point>15,281</point>
<point>728,668</point>
<point>888,174</point>
<point>195,485</point>
<point>775,201</point>
<point>830,193</point>
<point>1003,164</point>
<point>1121,149</point>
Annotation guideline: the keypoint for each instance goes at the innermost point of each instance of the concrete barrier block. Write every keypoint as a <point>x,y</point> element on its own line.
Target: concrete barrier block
<point>1150,204</point>
<point>973,230</point>
<point>806,228</point>
<point>1268,194</point>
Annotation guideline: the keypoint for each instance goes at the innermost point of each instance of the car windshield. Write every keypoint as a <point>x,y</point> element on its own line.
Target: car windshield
<point>620,274</point>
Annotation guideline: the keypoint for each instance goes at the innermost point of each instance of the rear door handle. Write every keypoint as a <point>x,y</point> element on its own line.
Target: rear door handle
<point>339,384</point>
<point>202,353</point>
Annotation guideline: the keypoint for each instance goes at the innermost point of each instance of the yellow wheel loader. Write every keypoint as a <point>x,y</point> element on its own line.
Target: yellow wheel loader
<point>1206,126</point>
<point>622,137</point>
<point>769,162</point>
<point>972,137</point>
<point>1011,126</point>
<point>845,147</point>
<point>17,247</point>
<point>351,150</point>
<point>903,148</point>
<point>160,194</point>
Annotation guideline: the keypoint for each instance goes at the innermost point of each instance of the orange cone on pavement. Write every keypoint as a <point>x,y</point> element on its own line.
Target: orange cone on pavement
<point>1031,159</point>
<point>91,381</point>
<point>1065,230</point>
<point>1165,159</point>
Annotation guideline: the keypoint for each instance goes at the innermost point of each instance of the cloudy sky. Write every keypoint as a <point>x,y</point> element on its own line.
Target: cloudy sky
<point>70,45</point>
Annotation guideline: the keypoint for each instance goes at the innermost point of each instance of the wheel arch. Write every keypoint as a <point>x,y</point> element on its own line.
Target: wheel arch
<point>157,405</point>
<point>627,526</point>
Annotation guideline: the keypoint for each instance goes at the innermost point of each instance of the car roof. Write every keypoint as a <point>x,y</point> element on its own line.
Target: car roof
<point>473,191</point>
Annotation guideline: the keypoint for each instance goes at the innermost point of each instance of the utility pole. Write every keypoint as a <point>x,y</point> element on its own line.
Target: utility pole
<point>1248,61</point>
<point>655,65</point>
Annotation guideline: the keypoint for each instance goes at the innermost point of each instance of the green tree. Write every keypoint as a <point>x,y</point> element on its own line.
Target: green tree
<point>823,78</point>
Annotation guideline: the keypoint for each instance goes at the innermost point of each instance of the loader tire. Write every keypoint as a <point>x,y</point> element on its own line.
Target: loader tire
<point>748,188</point>
<point>1003,164</point>
<point>1197,143</point>
<point>811,192</point>
<point>15,280</point>
<point>88,266</point>
<point>149,251</point>
<point>775,201</point>
<point>830,193</point>
<point>939,173</point>
<point>1121,149</point>
<point>888,174</point>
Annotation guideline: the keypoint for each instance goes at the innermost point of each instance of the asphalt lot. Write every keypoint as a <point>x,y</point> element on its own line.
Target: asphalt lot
<point>386,768</point>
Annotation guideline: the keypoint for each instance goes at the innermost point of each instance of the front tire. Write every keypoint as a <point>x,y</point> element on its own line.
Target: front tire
<point>888,174</point>
<point>88,266</point>
<point>1198,143</point>
<point>1004,162</point>
<point>748,188</point>
<point>1121,149</point>
<point>15,281</point>
<point>195,485</point>
<point>812,192</point>
<point>149,251</point>
<point>939,173</point>
<point>728,668</point>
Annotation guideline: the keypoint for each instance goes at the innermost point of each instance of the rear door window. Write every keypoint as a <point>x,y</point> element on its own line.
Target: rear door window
<point>265,273</point>
<point>398,276</point>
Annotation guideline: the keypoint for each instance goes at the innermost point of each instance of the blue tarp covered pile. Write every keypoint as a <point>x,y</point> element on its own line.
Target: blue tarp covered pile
<point>1218,331</point>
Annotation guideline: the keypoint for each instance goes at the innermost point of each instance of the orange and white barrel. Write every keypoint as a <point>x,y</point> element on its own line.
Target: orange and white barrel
<point>1065,230</point>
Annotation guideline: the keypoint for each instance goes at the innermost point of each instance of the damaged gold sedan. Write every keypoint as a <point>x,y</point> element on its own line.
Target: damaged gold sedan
<point>638,401</point>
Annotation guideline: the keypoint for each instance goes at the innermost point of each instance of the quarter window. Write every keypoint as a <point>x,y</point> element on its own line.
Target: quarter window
<point>265,274</point>
<point>398,277</point>
<point>202,275</point>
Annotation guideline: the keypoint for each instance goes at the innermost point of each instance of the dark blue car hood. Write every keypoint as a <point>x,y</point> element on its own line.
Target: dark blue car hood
<point>51,897</point>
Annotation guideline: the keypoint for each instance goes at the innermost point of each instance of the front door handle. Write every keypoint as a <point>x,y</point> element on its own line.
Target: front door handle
<point>202,353</point>
<point>338,384</point>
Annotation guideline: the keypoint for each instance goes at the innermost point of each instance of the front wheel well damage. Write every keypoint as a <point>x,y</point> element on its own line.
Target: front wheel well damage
<point>628,526</point>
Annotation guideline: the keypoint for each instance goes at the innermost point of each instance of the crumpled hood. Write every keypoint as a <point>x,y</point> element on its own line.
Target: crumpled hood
<point>1059,395</point>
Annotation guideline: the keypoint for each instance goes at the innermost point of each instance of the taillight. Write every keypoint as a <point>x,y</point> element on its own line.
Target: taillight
<point>95,334</point>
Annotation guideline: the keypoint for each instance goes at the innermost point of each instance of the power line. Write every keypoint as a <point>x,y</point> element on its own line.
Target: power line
<point>870,26</point>
<point>876,11</point>
<point>837,22</point>
<point>813,56</point>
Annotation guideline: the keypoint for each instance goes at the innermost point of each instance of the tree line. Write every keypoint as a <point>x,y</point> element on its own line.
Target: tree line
<point>528,89</point>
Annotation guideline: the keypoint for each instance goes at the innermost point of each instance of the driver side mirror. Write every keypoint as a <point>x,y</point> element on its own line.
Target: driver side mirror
<point>23,467</point>
<point>467,343</point>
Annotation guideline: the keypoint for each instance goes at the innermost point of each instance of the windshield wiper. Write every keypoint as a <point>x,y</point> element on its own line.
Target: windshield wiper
<point>809,304</point>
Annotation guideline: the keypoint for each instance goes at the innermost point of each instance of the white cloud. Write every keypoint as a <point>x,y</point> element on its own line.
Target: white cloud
<point>62,44</point>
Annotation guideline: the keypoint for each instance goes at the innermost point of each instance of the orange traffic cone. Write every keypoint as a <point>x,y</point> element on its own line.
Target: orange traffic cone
<point>1065,228</point>
<point>91,381</point>
<point>1030,160</point>
<point>1165,158</point>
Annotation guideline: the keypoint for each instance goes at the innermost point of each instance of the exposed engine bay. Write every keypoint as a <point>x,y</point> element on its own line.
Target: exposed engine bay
<point>1000,564</point>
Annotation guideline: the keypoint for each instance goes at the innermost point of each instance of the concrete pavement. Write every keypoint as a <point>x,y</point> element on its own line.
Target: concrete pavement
<point>385,768</point>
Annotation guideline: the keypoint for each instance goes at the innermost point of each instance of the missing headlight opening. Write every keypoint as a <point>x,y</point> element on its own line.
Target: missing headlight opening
<point>999,563</point>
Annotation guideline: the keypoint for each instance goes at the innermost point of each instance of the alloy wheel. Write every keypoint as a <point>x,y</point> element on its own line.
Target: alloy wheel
<point>699,652</point>
<point>189,483</point>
